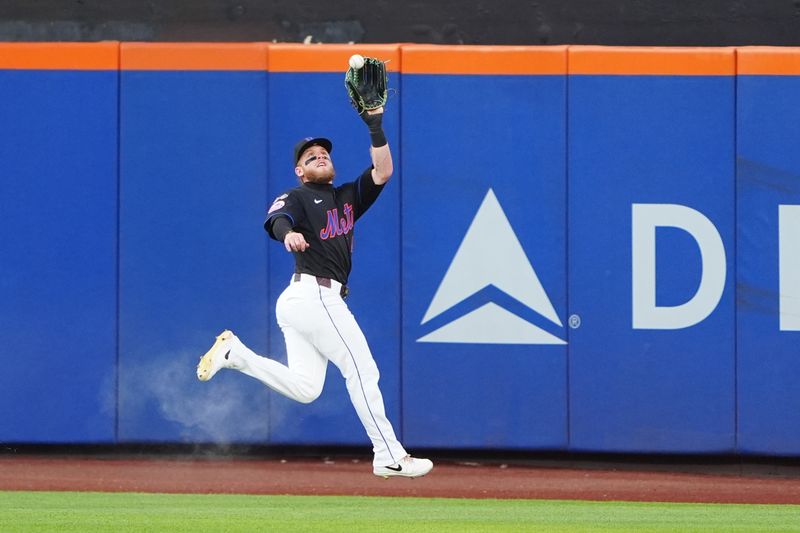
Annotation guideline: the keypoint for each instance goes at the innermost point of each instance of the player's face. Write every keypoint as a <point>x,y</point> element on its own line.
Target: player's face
<point>315,165</point>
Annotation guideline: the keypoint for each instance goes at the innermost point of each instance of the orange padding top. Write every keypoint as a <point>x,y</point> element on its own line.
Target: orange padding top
<point>768,60</point>
<point>193,56</point>
<point>59,56</point>
<point>624,60</point>
<point>408,58</point>
<point>466,59</point>
<point>328,57</point>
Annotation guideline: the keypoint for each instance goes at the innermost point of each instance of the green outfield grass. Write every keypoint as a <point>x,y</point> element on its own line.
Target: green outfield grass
<point>120,512</point>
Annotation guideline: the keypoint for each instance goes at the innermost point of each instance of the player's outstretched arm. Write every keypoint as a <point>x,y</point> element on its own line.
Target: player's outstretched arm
<point>380,152</point>
<point>382,161</point>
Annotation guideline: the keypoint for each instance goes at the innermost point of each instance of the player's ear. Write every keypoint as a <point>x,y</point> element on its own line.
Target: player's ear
<point>299,171</point>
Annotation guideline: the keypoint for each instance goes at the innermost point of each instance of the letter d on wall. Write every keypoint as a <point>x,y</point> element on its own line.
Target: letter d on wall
<point>789,252</point>
<point>645,219</point>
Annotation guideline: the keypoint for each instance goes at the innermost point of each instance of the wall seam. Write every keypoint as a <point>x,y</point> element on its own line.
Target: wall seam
<point>118,250</point>
<point>270,321</point>
<point>735,250</point>
<point>401,410</point>
<point>566,249</point>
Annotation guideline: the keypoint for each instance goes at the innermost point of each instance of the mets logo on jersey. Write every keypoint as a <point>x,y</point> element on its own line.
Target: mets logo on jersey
<point>278,203</point>
<point>338,226</point>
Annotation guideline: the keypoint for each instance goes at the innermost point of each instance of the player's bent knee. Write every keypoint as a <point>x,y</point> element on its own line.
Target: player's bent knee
<point>306,399</point>
<point>308,394</point>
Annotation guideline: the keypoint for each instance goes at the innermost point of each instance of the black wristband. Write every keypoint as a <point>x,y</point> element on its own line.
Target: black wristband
<point>375,125</point>
<point>377,138</point>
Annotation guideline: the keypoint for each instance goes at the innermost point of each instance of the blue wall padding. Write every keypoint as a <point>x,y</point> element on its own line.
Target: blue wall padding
<point>193,258</point>
<point>768,176</point>
<point>648,140</point>
<point>492,278</point>
<point>58,282</point>
<point>506,134</point>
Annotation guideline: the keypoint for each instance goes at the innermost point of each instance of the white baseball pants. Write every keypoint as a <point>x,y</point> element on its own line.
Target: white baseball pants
<point>318,327</point>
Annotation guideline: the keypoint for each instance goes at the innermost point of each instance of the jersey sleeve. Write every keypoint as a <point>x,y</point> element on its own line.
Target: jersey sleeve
<point>367,192</point>
<point>286,205</point>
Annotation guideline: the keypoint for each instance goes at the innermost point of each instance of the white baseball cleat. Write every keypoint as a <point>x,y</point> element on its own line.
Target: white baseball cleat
<point>219,356</point>
<point>406,467</point>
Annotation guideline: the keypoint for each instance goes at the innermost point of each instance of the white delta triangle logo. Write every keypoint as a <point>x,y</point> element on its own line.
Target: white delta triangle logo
<point>491,254</point>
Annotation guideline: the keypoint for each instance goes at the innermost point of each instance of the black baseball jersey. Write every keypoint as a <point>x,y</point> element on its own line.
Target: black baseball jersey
<point>326,217</point>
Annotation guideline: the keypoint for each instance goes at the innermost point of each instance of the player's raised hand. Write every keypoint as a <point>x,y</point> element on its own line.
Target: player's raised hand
<point>295,242</point>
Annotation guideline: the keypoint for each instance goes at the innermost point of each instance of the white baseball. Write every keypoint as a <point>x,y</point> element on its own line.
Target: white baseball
<point>356,61</point>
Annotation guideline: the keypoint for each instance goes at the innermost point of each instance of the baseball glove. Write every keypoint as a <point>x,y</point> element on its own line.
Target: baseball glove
<point>366,86</point>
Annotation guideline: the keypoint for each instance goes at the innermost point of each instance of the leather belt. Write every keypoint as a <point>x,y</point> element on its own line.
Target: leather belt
<point>325,282</point>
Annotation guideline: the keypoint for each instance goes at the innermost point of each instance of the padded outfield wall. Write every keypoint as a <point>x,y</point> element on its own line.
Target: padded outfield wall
<point>582,248</point>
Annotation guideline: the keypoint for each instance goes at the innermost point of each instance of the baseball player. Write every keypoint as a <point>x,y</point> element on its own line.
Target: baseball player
<point>315,222</point>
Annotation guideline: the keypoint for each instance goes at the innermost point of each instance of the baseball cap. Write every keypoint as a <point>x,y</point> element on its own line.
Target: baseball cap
<point>304,143</point>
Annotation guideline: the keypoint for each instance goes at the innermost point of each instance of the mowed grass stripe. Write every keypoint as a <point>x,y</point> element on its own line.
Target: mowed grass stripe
<point>123,512</point>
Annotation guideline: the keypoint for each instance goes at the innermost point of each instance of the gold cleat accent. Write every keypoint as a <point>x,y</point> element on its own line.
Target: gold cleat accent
<point>215,358</point>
